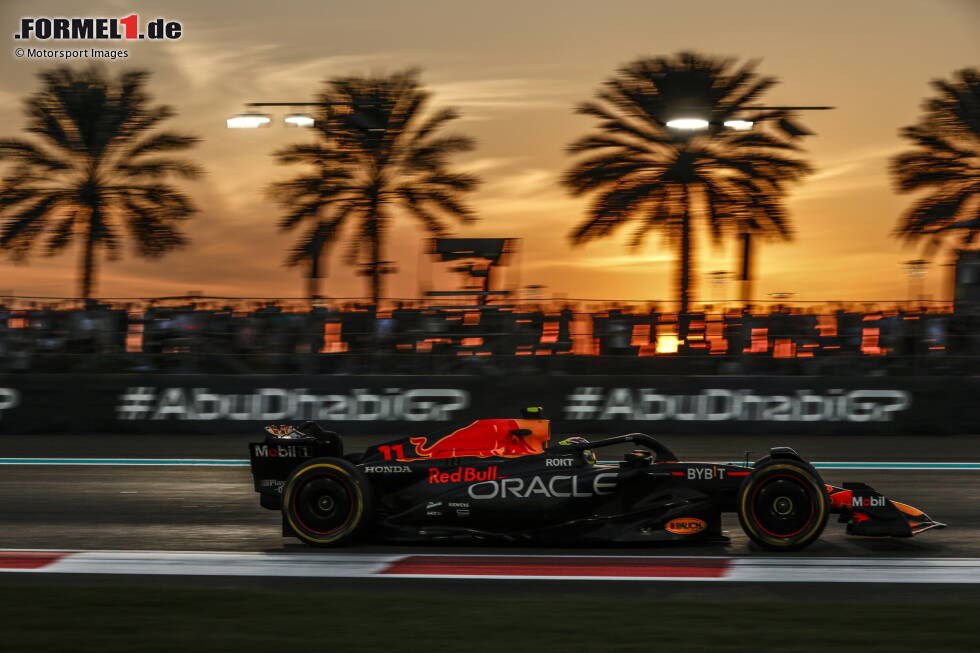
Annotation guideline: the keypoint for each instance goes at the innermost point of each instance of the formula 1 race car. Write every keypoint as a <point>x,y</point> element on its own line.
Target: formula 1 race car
<point>500,480</point>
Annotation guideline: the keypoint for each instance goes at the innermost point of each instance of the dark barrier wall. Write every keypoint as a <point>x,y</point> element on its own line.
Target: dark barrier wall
<point>419,404</point>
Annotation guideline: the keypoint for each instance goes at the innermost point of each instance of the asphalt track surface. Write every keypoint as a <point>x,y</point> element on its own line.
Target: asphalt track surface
<point>214,509</point>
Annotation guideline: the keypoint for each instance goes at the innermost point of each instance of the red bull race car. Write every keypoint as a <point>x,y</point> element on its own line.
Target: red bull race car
<point>503,480</point>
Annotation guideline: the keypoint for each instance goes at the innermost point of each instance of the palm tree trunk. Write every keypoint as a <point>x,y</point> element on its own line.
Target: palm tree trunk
<point>87,271</point>
<point>313,280</point>
<point>745,274</point>
<point>376,268</point>
<point>685,262</point>
<point>376,245</point>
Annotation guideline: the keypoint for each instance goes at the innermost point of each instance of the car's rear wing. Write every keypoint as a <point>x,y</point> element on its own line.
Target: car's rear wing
<point>273,459</point>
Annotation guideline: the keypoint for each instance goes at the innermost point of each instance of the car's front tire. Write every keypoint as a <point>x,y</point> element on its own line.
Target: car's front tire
<point>327,502</point>
<point>783,505</point>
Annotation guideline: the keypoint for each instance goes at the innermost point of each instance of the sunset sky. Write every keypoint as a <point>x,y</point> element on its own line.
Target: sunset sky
<point>516,68</point>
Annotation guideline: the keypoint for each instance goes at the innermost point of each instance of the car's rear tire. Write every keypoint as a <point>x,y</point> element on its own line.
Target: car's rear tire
<point>327,502</point>
<point>783,505</point>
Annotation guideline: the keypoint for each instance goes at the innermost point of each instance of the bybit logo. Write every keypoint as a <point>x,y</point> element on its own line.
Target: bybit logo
<point>44,28</point>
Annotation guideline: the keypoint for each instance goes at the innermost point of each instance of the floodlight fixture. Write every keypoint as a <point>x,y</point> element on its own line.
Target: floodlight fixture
<point>688,124</point>
<point>249,121</point>
<point>299,120</point>
<point>739,125</point>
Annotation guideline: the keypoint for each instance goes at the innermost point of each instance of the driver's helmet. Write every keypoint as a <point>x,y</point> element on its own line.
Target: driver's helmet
<point>587,454</point>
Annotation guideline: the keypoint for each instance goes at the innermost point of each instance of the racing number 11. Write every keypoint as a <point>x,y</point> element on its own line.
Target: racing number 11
<point>392,452</point>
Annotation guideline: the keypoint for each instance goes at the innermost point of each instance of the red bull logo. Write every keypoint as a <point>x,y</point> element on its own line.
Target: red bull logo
<point>487,438</point>
<point>462,474</point>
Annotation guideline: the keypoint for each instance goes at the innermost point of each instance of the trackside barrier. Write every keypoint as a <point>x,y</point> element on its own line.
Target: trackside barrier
<point>398,405</point>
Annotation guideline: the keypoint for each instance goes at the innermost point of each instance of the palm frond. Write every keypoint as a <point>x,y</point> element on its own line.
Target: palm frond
<point>20,229</point>
<point>160,142</point>
<point>31,155</point>
<point>153,232</point>
<point>160,168</point>
<point>945,162</point>
<point>434,122</point>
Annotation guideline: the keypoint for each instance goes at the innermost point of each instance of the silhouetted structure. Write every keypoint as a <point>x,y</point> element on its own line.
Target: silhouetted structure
<point>413,337</point>
<point>476,260</point>
<point>966,285</point>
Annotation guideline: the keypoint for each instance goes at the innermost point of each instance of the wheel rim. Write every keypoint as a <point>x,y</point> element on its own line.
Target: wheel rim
<point>783,506</point>
<point>323,505</point>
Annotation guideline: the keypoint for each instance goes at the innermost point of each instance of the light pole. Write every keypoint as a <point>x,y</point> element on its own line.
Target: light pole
<point>692,118</point>
<point>253,118</point>
<point>719,286</point>
<point>534,292</point>
<point>782,295</point>
<point>916,270</point>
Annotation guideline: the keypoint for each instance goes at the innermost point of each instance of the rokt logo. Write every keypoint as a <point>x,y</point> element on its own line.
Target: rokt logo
<point>559,462</point>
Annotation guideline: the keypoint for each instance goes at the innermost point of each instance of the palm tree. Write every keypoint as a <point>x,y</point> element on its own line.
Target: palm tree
<point>639,171</point>
<point>96,169</point>
<point>378,155</point>
<point>945,163</point>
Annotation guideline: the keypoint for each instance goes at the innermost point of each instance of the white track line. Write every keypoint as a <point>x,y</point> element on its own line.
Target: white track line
<point>504,567</point>
<point>223,564</point>
<point>860,570</point>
